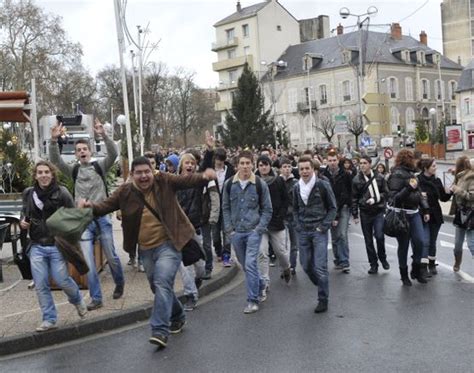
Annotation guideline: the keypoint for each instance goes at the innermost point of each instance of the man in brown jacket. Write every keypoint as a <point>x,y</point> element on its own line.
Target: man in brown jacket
<point>160,241</point>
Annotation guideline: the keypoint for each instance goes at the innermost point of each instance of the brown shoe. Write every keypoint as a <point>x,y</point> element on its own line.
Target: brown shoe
<point>457,262</point>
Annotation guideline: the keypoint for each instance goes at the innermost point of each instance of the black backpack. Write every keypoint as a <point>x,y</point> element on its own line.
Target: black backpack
<point>97,169</point>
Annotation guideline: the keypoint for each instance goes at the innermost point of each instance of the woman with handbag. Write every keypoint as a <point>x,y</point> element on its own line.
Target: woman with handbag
<point>463,204</point>
<point>435,192</point>
<point>406,198</point>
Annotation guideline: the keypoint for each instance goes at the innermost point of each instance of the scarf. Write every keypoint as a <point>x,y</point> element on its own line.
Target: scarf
<point>305,189</point>
<point>42,198</point>
<point>373,187</point>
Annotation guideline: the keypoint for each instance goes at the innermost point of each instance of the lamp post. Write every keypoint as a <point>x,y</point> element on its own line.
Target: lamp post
<point>433,128</point>
<point>307,58</point>
<point>345,13</point>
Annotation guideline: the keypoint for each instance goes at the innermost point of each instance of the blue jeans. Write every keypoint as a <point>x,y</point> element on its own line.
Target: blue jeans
<point>415,235</point>
<point>161,265</point>
<point>207,245</point>
<point>459,236</point>
<point>314,260</point>
<point>372,225</point>
<point>430,231</point>
<point>46,262</point>
<point>340,244</point>
<point>292,239</point>
<point>106,237</point>
<point>220,239</point>
<point>247,249</point>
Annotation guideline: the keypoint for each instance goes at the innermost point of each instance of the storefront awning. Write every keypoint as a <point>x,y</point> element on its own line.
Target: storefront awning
<point>14,106</point>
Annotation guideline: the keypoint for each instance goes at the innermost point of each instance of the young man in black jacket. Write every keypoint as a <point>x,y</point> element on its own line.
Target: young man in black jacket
<point>368,195</point>
<point>341,183</point>
<point>276,228</point>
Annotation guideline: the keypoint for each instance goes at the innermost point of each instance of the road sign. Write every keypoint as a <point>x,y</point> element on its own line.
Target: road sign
<point>341,124</point>
<point>376,107</point>
<point>388,153</point>
<point>371,98</point>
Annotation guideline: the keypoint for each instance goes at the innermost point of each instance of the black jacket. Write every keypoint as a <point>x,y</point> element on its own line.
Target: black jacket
<point>341,184</point>
<point>361,193</point>
<point>39,232</point>
<point>290,184</point>
<point>280,200</point>
<point>401,194</point>
<point>191,202</point>
<point>434,189</point>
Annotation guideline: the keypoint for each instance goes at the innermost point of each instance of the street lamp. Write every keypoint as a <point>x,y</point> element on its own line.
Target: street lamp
<point>371,12</point>
<point>433,125</point>
<point>307,58</point>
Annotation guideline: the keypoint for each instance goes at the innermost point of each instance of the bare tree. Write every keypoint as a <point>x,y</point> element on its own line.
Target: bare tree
<point>355,126</point>
<point>327,127</point>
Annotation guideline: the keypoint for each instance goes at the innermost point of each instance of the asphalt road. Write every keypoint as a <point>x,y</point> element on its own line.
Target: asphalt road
<point>373,325</point>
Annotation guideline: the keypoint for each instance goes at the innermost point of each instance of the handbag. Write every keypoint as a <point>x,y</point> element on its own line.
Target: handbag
<point>463,218</point>
<point>395,223</point>
<point>192,251</point>
<point>22,261</point>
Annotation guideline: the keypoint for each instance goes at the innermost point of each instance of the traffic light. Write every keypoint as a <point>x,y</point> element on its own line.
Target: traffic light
<point>399,131</point>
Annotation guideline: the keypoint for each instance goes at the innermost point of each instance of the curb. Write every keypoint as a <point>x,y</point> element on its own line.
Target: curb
<point>31,341</point>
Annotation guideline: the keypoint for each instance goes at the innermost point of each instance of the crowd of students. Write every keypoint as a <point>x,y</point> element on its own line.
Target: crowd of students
<point>267,207</point>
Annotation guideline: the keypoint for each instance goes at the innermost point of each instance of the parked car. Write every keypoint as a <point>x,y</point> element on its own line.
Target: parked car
<point>372,149</point>
<point>408,142</point>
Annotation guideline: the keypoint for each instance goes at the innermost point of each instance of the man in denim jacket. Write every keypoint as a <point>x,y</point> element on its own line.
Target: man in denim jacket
<point>314,209</point>
<point>247,210</point>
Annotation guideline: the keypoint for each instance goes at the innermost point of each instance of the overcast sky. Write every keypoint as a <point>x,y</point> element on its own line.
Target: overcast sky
<point>186,32</point>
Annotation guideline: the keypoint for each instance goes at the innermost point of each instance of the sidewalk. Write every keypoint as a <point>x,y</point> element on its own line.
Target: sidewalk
<point>20,313</point>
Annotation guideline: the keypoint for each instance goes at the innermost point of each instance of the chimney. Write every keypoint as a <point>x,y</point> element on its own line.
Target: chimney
<point>396,31</point>
<point>239,7</point>
<point>423,37</point>
<point>340,29</point>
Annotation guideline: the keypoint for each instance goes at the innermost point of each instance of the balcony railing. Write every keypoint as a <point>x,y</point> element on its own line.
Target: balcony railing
<point>232,63</point>
<point>304,106</point>
<point>229,43</point>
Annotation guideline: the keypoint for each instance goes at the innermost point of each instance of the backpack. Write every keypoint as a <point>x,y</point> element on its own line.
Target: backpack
<point>258,185</point>
<point>97,169</point>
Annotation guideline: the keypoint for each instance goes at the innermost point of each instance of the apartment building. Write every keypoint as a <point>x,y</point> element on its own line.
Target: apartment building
<point>257,34</point>
<point>466,101</point>
<point>318,81</point>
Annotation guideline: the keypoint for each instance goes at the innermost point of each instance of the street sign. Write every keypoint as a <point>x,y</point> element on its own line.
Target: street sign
<point>388,153</point>
<point>371,98</point>
<point>341,124</point>
<point>376,107</point>
<point>386,142</point>
<point>373,114</point>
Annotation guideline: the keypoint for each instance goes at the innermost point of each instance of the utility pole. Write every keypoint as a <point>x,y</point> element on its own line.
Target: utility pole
<point>135,105</point>
<point>307,59</point>
<point>121,45</point>
<point>140,97</point>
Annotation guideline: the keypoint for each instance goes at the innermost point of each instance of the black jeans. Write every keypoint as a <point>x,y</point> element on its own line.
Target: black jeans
<point>220,240</point>
<point>372,225</point>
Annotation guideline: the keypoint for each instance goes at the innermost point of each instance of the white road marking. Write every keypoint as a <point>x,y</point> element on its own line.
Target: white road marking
<point>11,286</point>
<point>362,236</point>
<point>463,274</point>
<point>450,245</point>
<point>447,234</point>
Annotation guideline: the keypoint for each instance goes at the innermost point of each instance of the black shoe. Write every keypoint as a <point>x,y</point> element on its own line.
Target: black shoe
<point>94,305</point>
<point>198,282</point>
<point>131,262</point>
<point>385,264</point>
<point>286,275</point>
<point>373,270</point>
<point>190,303</point>
<point>159,340</point>
<point>207,275</point>
<point>118,292</point>
<point>293,271</point>
<point>404,276</point>
<point>432,267</point>
<point>422,273</point>
<point>321,307</point>
<point>177,326</point>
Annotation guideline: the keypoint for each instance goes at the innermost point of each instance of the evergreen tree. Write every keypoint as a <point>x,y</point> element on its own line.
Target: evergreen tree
<point>247,124</point>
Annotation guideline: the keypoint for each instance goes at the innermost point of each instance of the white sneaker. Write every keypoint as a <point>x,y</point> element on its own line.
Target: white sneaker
<point>141,268</point>
<point>263,295</point>
<point>251,308</point>
<point>81,309</point>
<point>45,326</point>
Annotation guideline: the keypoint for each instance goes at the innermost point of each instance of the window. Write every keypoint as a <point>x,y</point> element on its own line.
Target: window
<point>409,89</point>
<point>410,119</point>
<point>425,89</point>
<point>438,89</point>
<point>292,99</point>
<point>394,119</point>
<point>346,56</point>
<point>323,95</point>
<point>452,90</point>
<point>406,55</point>
<point>346,90</point>
<point>467,107</point>
<point>278,28</point>
<point>232,76</point>
<point>307,95</point>
<point>230,34</point>
<point>245,31</point>
<point>246,51</point>
<point>421,58</point>
<point>231,53</point>
<point>393,87</point>
<point>453,114</point>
